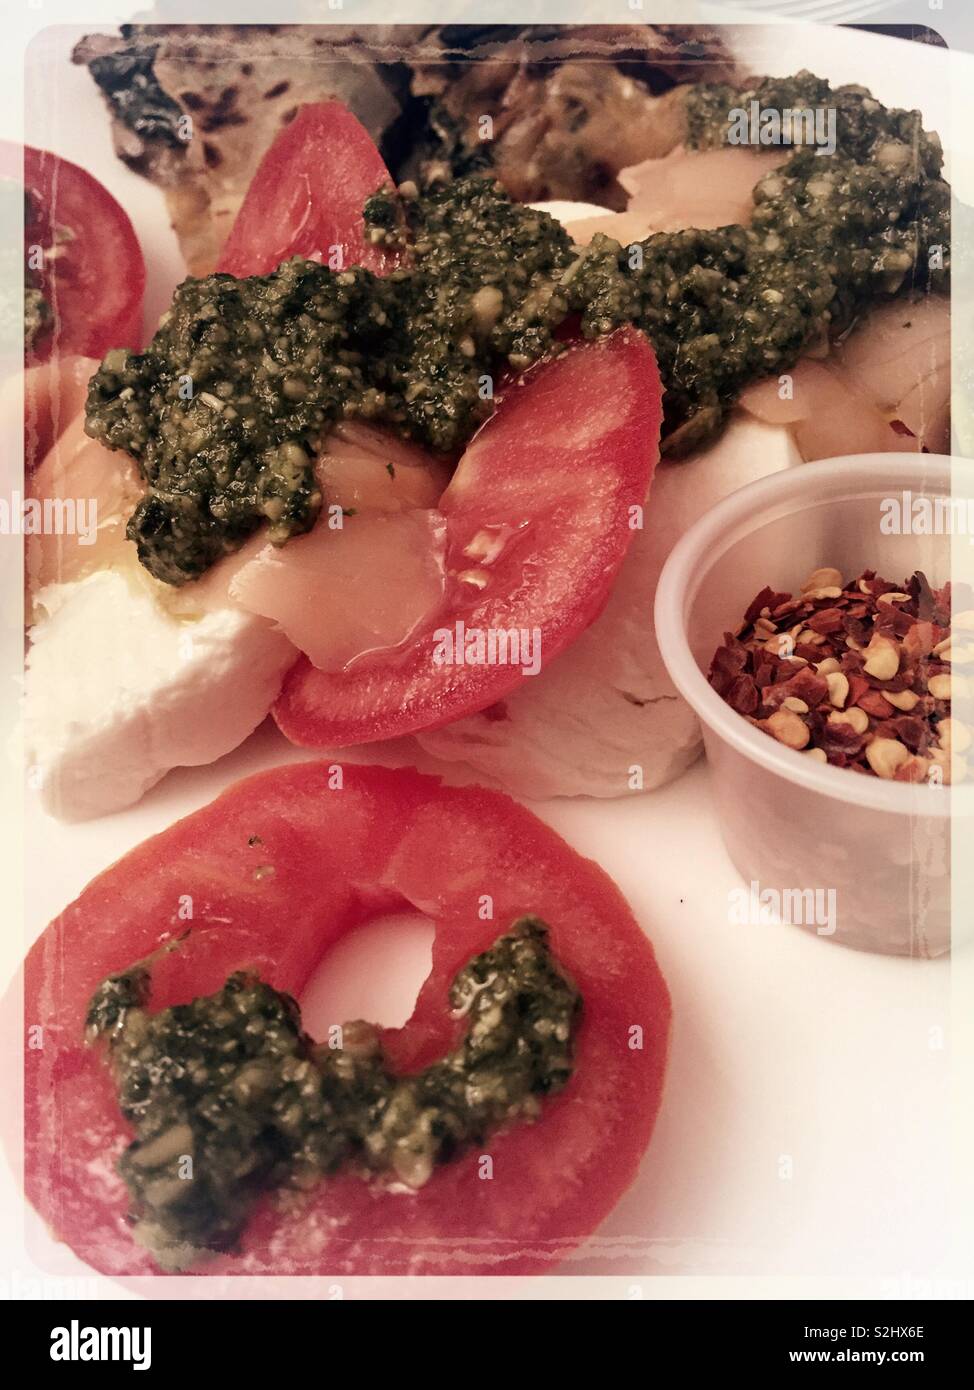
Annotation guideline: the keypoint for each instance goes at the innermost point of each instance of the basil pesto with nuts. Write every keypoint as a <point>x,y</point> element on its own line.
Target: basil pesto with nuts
<point>225,410</point>
<point>229,1098</point>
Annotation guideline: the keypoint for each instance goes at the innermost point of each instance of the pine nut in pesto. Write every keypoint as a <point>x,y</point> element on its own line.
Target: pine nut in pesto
<point>227,406</point>
<point>229,1098</point>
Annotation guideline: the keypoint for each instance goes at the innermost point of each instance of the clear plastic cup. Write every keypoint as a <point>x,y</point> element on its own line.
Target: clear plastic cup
<point>792,824</point>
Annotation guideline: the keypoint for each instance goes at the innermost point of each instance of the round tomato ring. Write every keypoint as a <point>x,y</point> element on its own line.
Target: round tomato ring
<point>95,283</point>
<point>335,847</point>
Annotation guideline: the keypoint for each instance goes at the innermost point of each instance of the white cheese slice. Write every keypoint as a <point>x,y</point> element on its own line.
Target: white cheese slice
<point>118,690</point>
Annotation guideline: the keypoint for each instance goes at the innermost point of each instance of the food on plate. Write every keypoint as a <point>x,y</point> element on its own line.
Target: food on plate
<point>723,307</point>
<point>177,685</point>
<point>194,106</point>
<point>179,1117</point>
<point>568,107</point>
<point>883,389</point>
<point>119,689</point>
<point>536,522</point>
<point>855,673</point>
<point>489,280</point>
<point>568,453</point>
<point>605,719</point>
<point>873,204</point>
<point>288,212</point>
<point>83,269</point>
<point>513,367</point>
<point>233,398</point>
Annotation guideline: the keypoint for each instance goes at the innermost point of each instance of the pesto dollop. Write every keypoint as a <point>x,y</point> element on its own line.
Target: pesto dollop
<point>227,406</point>
<point>863,125</point>
<point>225,410</point>
<point>830,235</point>
<point>230,1098</point>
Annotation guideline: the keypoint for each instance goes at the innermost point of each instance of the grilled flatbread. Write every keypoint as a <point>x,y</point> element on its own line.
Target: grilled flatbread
<point>195,106</point>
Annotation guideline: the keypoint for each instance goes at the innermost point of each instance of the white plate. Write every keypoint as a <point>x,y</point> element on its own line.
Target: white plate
<point>803,1129</point>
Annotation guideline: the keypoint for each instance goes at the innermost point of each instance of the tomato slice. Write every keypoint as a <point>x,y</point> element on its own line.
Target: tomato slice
<point>83,251</point>
<point>307,197</point>
<point>539,513</point>
<point>340,855</point>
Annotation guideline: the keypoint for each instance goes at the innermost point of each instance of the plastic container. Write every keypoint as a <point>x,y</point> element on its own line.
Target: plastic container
<point>792,824</point>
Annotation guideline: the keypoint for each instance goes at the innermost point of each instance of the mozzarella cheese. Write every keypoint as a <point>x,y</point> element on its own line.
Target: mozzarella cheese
<point>119,690</point>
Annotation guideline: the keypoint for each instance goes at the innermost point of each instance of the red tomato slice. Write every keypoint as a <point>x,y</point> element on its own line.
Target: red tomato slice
<point>383,840</point>
<point>90,270</point>
<point>307,196</point>
<point>539,517</point>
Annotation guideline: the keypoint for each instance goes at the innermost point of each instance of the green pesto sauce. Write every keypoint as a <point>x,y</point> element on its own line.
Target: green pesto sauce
<point>226,408</point>
<point>229,1098</point>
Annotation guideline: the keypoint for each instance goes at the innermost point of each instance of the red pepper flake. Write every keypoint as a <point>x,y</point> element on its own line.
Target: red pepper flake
<point>767,598</point>
<point>913,770</point>
<point>728,663</point>
<point>842,738</point>
<point>807,686</point>
<point>759,683</point>
<point>858,685</point>
<point>806,652</point>
<point>858,629</point>
<point>764,670</point>
<point>920,640</point>
<point>923,597</point>
<point>826,620</point>
<point>915,733</point>
<point>874,704</point>
<point>742,695</point>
